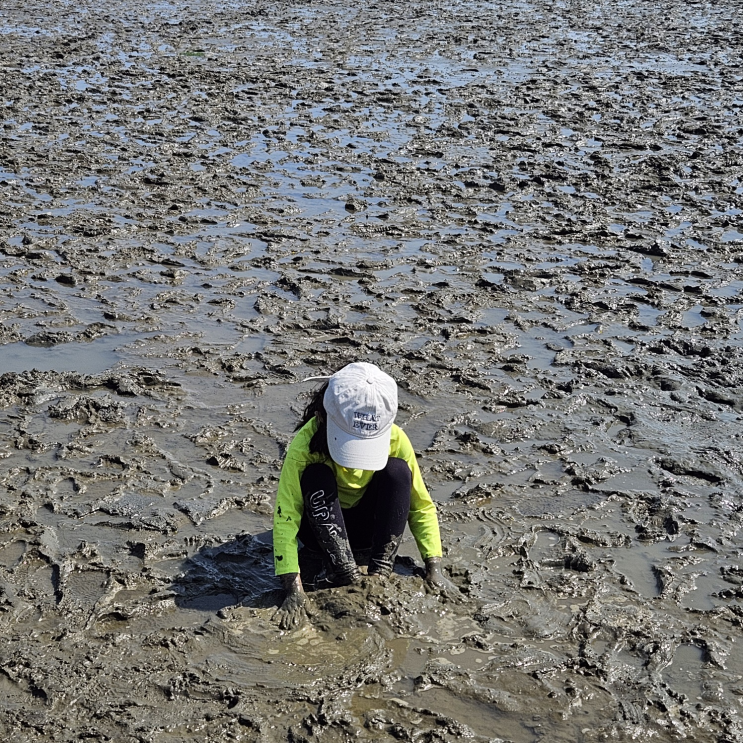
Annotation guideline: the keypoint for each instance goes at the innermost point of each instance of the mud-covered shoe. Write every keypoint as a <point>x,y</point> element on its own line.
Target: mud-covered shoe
<point>382,560</point>
<point>379,571</point>
<point>336,578</point>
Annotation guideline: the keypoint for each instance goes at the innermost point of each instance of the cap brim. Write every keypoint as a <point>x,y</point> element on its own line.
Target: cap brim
<point>359,453</point>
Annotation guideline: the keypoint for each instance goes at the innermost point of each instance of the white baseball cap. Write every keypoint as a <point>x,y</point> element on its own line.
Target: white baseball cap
<point>361,405</point>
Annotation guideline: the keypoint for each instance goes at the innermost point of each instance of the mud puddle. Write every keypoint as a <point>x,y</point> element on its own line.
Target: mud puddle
<point>528,215</point>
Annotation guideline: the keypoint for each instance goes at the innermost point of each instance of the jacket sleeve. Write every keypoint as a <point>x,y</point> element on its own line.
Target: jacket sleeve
<point>288,515</point>
<point>422,519</point>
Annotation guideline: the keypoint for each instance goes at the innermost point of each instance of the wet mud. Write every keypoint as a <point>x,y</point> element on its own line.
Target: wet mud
<point>527,213</point>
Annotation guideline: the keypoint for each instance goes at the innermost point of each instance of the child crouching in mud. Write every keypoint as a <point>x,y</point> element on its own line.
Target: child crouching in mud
<point>350,481</point>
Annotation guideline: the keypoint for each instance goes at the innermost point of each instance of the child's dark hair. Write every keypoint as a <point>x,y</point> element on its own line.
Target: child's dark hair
<point>316,409</point>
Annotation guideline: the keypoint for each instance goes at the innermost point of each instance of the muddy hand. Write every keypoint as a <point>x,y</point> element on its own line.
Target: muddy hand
<point>438,583</point>
<point>296,607</point>
<point>293,612</point>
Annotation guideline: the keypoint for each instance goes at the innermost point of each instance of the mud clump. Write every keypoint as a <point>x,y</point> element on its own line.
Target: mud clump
<point>529,217</point>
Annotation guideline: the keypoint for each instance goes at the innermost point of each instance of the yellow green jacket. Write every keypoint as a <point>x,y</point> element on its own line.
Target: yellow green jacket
<point>422,519</point>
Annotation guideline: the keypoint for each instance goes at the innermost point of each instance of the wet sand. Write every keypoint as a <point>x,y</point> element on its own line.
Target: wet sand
<point>528,214</point>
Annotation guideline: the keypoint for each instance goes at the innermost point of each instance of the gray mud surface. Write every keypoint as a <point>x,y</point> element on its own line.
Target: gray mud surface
<point>528,213</point>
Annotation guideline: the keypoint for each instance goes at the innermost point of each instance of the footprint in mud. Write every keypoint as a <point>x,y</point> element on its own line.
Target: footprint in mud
<point>11,553</point>
<point>691,674</point>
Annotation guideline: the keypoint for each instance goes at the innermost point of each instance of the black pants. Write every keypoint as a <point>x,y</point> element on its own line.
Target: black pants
<point>376,523</point>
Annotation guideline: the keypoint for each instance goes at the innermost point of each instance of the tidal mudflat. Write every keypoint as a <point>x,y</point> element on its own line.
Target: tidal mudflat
<point>528,213</point>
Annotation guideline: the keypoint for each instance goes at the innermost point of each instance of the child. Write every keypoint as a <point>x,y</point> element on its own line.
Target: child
<point>350,480</point>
